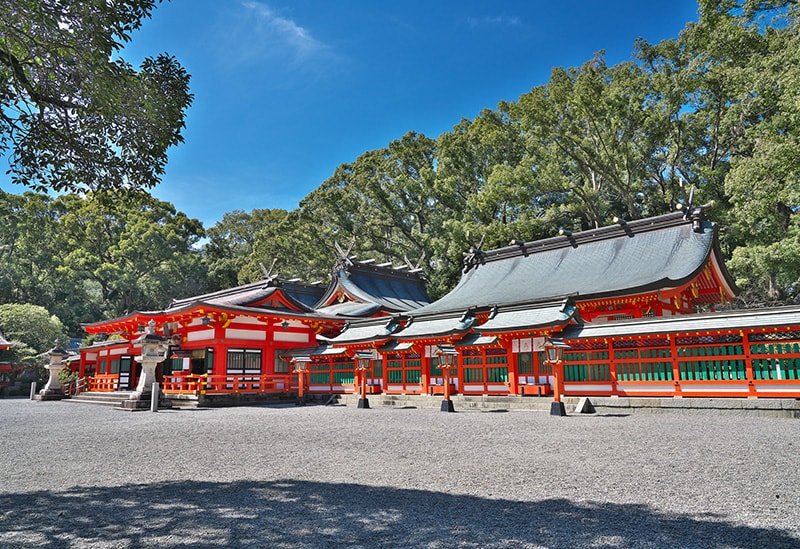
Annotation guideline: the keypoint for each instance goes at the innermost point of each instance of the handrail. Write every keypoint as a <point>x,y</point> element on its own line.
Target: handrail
<point>75,387</point>
<point>199,384</point>
<point>103,382</point>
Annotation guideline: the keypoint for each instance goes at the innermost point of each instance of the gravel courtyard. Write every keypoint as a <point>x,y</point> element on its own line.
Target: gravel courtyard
<point>78,475</point>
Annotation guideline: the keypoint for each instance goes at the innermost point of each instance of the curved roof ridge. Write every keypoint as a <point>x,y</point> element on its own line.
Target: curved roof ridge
<point>646,255</point>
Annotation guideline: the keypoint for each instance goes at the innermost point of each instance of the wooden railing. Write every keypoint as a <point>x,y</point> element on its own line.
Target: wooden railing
<point>194,384</point>
<point>103,383</point>
<point>75,387</point>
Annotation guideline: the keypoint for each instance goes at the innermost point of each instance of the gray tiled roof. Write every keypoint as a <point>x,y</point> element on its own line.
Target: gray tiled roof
<point>352,309</point>
<point>645,255</point>
<point>308,352</point>
<point>302,295</point>
<point>435,327</point>
<point>370,330</point>
<point>391,289</point>
<point>554,314</point>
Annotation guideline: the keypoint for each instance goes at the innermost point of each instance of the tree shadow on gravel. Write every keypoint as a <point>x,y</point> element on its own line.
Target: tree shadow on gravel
<point>294,514</point>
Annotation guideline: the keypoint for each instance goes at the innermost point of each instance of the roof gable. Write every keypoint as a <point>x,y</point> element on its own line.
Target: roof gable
<point>272,292</point>
<point>381,288</point>
<point>624,259</point>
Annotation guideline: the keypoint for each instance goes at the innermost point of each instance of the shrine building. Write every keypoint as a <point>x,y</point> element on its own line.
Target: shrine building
<point>232,342</point>
<point>633,302</point>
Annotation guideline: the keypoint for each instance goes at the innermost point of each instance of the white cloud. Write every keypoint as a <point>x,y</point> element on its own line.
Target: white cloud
<point>259,33</point>
<point>276,30</point>
<point>492,21</point>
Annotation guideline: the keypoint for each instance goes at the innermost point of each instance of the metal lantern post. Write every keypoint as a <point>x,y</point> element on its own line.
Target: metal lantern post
<point>363,365</point>
<point>448,361</point>
<point>301,368</point>
<point>554,351</point>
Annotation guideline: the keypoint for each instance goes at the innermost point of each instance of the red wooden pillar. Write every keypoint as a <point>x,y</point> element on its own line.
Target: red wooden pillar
<point>513,369</point>
<point>748,365</point>
<point>676,370</point>
<point>612,367</point>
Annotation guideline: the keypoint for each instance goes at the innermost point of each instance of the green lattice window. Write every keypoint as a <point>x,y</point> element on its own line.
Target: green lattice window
<point>497,375</point>
<point>343,378</point>
<point>319,378</point>
<point>473,375</point>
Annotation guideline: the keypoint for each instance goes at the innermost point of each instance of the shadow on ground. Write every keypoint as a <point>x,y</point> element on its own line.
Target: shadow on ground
<point>291,513</point>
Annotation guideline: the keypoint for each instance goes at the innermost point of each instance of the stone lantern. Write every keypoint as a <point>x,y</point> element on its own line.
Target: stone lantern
<point>154,350</point>
<point>52,389</point>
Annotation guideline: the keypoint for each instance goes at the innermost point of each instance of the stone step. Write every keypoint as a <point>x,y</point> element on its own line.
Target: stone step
<point>463,402</point>
<point>119,399</point>
<point>101,398</point>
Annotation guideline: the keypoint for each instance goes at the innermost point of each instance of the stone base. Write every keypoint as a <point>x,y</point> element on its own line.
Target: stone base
<point>363,403</point>
<point>557,409</point>
<point>447,406</point>
<point>50,394</point>
<point>144,404</point>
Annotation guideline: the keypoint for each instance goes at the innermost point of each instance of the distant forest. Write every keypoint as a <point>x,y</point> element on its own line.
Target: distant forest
<point>713,113</point>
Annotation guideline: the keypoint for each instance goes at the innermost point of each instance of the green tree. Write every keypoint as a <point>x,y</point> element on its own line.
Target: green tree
<point>31,252</point>
<point>75,116</point>
<point>32,330</point>
<point>764,180</point>
<point>241,242</point>
<point>134,253</point>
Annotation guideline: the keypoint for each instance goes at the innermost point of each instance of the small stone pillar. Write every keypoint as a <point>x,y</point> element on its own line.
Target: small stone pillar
<point>154,350</point>
<point>52,389</point>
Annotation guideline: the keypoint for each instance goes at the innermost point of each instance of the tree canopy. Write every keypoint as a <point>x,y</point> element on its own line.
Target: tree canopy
<point>73,115</point>
<point>31,329</point>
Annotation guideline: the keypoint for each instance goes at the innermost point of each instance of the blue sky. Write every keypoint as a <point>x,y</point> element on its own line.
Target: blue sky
<point>286,91</point>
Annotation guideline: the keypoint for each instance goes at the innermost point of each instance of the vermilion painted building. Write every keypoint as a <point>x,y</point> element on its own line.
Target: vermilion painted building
<point>623,297</point>
<point>234,341</point>
<point>633,300</point>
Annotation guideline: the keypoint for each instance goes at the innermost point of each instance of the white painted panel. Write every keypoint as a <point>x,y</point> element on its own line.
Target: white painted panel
<point>525,345</point>
<point>394,388</point>
<point>473,388</point>
<point>291,336</point>
<point>248,320</point>
<point>643,387</point>
<point>233,333</point>
<point>716,387</point>
<point>118,351</point>
<point>497,387</point>
<point>200,335</point>
<point>772,388</point>
<point>593,387</point>
<point>91,356</point>
<point>515,345</point>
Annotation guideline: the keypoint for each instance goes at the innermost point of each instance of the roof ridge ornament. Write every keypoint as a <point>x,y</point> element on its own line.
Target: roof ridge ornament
<point>343,258</point>
<point>414,268</point>
<point>475,255</point>
<point>268,276</point>
<point>696,214</point>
